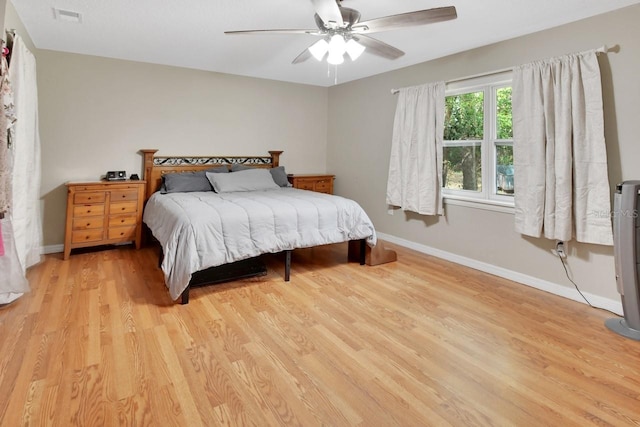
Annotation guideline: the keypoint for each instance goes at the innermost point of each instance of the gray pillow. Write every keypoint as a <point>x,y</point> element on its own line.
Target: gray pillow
<point>218,169</point>
<point>246,180</point>
<point>236,167</point>
<point>185,182</point>
<point>278,174</point>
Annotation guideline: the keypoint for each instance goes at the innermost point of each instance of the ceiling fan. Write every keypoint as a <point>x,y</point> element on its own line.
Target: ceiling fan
<point>342,32</point>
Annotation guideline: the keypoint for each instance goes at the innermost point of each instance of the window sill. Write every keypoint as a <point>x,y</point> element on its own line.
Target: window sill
<point>488,205</point>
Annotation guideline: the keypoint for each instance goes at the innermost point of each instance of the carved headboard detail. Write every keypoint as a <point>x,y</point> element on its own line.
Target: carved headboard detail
<point>156,166</point>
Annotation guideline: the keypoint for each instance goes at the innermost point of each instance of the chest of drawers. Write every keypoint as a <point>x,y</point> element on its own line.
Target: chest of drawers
<point>103,212</point>
<point>313,182</point>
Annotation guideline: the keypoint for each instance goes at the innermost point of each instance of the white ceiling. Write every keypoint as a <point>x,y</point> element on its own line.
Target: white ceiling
<point>189,33</point>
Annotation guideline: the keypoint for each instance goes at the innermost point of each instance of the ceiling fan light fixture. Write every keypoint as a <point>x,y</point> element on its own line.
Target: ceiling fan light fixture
<point>337,48</point>
<point>337,45</point>
<point>319,49</point>
<point>354,49</point>
<point>335,59</point>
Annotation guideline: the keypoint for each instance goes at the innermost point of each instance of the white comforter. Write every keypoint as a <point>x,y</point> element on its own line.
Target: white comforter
<point>206,229</point>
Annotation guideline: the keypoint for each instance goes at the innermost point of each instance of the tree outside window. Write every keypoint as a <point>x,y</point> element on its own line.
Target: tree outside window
<point>464,125</point>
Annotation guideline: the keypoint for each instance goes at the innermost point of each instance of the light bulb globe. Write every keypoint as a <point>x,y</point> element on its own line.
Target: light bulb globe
<point>354,49</point>
<point>319,49</point>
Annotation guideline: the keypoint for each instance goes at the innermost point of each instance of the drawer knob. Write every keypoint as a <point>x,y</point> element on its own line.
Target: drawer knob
<point>122,233</point>
<point>88,224</point>
<point>122,220</point>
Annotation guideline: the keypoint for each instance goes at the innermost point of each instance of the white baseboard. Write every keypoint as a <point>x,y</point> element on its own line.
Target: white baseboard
<point>534,282</point>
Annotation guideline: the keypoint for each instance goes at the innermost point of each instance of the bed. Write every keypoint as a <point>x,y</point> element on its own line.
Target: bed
<point>244,217</point>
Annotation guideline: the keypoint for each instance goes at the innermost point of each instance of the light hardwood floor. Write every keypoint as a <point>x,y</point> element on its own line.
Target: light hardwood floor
<point>418,342</point>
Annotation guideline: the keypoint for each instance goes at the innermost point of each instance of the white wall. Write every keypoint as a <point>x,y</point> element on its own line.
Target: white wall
<point>359,135</point>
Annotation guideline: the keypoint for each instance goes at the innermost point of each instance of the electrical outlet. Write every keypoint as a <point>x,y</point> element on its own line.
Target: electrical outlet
<point>561,249</point>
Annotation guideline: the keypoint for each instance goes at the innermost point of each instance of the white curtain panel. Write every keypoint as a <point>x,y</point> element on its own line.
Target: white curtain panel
<point>415,166</point>
<point>26,218</point>
<point>12,279</point>
<point>560,160</point>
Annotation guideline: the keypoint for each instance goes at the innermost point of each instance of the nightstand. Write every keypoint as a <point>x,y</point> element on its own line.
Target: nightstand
<point>313,182</point>
<point>102,213</point>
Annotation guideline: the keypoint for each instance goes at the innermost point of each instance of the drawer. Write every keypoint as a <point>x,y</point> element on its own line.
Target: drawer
<point>121,220</point>
<point>88,222</point>
<point>88,197</point>
<point>305,185</point>
<point>323,186</point>
<point>123,233</point>
<point>88,210</point>
<point>86,236</point>
<point>123,207</point>
<point>123,195</point>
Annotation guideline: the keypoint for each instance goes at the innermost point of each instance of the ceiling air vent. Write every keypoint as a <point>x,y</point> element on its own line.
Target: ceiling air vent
<point>67,15</point>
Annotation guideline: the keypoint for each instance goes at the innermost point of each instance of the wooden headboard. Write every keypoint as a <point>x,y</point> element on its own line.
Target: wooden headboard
<point>156,166</point>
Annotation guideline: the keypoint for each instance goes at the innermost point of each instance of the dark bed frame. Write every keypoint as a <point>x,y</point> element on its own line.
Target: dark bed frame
<point>157,166</point>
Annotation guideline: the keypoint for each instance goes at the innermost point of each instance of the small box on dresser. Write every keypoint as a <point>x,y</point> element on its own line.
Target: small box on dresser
<point>314,182</point>
<point>103,212</point>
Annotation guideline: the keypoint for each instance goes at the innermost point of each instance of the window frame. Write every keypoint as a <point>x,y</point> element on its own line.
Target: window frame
<point>489,85</point>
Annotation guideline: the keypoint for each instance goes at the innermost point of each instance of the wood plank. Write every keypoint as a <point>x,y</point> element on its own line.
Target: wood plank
<point>419,341</point>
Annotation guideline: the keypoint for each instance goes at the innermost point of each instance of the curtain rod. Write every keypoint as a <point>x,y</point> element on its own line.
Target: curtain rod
<point>490,73</point>
<point>602,49</point>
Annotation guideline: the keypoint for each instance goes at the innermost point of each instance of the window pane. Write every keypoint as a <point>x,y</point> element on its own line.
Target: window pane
<point>504,169</point>
<point>504,125</point>
<point>464,117</point>
<point>462,168</point>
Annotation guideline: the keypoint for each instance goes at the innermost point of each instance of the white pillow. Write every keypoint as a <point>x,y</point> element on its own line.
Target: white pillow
<point>247,180</point>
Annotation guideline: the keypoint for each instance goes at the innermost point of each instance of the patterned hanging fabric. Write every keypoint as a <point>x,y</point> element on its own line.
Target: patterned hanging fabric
<point>5,172</point>
<point>5,168</point>
<point>7,119</point>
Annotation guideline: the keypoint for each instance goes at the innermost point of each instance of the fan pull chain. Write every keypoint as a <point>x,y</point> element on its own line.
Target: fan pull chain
<point>335,73</point>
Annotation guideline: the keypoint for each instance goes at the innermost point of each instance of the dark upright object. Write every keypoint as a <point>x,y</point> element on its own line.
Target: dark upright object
<point>626,241</point>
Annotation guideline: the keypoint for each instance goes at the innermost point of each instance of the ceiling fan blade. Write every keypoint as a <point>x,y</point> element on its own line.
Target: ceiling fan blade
<point>304,55</point>
<point>410,19</point>
<point>314,32</point>
<point>378,48</point>
<point>328,11</point>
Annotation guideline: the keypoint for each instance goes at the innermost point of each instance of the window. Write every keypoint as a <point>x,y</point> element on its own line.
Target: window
<point>478,140</point>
